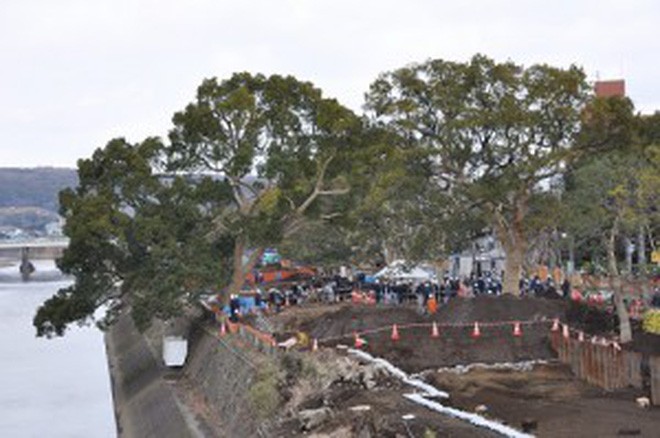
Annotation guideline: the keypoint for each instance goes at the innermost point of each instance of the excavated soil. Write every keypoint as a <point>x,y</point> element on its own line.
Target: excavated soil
<point>416,350</point>
<point>548,399</point>
<point>552,399</point>
<point>217,383</point>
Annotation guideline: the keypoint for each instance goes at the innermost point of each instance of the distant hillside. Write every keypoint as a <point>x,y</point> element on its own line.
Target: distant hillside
<point>36,187</point>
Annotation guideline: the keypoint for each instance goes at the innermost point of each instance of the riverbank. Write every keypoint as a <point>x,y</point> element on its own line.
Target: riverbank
<point>145,404</point>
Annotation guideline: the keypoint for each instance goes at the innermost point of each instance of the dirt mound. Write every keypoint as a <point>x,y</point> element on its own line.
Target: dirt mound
<point>503,308</point>
<point>416,350</point>
<point>551,397</point>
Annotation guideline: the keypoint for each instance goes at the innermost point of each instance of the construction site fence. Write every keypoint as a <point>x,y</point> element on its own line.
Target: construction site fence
<point>262,342</point>
<point>608,367</point>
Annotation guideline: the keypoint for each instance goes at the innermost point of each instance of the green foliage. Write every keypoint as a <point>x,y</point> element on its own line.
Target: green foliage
<point>491,134</point>
<point>135,237</point>
<point>591,318</point>
<point>156,224</point>
<point>264,392</point>
<point>284,131</point>
<point>428,433</point>
<point>616,189</point>
<point>318,243</point>
<point>651,322</point>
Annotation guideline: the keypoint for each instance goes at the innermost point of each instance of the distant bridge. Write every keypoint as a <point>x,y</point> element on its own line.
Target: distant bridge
<point>31,249</point>
<point>45,242</point>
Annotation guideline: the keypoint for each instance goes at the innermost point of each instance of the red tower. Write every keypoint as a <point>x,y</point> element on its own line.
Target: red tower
<point>615,88</point>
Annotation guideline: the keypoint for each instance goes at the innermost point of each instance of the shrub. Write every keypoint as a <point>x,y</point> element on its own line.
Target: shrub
<point>591,318</point>
<point>428,433</point>
<point>264,393</point>
<point>651,322</point>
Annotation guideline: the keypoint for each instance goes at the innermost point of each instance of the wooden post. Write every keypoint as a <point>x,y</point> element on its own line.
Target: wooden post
<point>654,365</point>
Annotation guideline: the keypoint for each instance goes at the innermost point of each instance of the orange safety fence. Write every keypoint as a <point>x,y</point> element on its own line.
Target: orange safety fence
<point>431,325</point>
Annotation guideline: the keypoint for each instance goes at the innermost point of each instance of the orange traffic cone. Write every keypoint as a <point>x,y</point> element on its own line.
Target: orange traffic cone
<point>315,345</point>
<point>476,332</point>
<point>223,329</point>
<point>555,325</point>
<point>395,333</point>
<point>358,340</point>
<point>516,329</point>
<point>581,336</point>
<point>434,331</point>
<point>566,332</point>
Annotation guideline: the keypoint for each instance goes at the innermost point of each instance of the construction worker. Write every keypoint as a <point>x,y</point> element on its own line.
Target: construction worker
<point>432,305</point>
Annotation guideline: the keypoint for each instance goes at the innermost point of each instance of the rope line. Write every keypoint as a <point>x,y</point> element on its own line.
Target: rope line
<point>228,347</point>
<point>429,325</point>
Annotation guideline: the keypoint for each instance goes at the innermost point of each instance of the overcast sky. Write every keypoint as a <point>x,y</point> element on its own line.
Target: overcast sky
<point>76,73</point>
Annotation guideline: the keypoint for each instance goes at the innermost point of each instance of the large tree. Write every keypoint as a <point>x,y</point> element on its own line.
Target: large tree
<point>136,238</point>
<point>281,147</point>
<point>156,224</point>
<point>613,194</point>
<point>496,133</point>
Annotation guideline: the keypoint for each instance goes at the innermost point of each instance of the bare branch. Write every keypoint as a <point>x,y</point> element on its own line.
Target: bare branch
<point>334,192</point>
<point>317,187</point>
<point>327,217</point>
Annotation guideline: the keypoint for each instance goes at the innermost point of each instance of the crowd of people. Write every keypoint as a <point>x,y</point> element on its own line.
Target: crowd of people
<point>390,291</point>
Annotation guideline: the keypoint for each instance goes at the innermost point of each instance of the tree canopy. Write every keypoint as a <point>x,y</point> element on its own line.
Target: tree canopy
<point>445,152</point>
<point>156,224</point>
<point>493,133</point>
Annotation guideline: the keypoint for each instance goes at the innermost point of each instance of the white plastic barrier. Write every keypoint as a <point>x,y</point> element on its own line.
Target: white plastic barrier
<point>475,419</point>
<point>175,351</point>
<point>431,391</point>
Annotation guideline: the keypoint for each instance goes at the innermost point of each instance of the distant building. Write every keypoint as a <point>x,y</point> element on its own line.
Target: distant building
<point>613,88</point>
<point>10,232</point>
<point>54,229</point>
<point>485,255</point>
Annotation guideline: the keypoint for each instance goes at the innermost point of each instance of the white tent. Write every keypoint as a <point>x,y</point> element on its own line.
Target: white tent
<point>399,270</point>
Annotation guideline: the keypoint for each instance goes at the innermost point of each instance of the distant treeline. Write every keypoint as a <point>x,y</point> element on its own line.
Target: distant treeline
<point>37,187</point>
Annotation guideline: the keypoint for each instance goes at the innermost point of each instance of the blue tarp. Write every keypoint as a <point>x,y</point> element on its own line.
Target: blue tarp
<point>247,304</point>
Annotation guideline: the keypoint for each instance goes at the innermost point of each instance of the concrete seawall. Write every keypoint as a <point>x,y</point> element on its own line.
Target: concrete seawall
<point>145,404</point>
<point>208,397</point>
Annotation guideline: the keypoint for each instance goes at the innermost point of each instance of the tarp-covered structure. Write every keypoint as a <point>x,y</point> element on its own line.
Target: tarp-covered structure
<point>402,271</point>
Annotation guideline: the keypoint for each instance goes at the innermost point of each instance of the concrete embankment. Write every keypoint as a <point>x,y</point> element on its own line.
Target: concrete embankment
<point>145,404</point>
<point>209,396</point>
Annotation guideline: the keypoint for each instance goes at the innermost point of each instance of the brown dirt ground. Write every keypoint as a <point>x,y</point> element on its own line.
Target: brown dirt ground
<point>383,419</point>
<point>550,395</point>
<point>562,405</point>
<point>416,350</point>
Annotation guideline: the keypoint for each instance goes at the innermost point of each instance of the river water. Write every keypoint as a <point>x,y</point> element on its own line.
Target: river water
<point>49,387</point>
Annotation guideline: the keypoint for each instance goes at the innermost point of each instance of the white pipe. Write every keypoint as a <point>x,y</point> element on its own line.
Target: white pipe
<point>431,391</point>
<point>475,419</point>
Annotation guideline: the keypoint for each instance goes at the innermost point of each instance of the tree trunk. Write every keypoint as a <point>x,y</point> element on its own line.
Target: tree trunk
<point>641,249</point>
<point>238,275</point>
<point>571,256</point>
<point>629,253</point>
<point>510,231</point>
<point>239,271</point>
<point>513,267</point>
<point>610,250</point>
<point>625,332</point>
